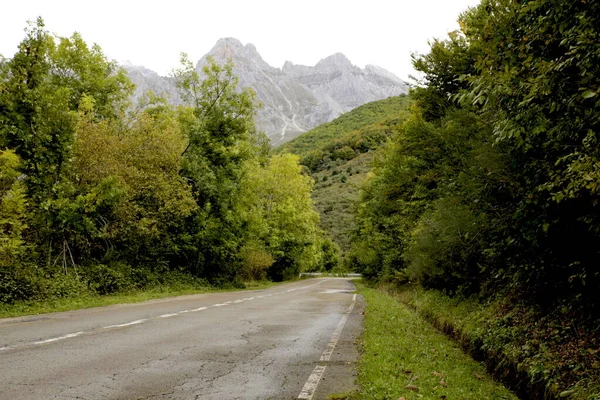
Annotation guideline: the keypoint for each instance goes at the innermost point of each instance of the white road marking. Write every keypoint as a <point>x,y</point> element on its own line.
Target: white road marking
<point>137,321</point>
<point>311,384</point>
<point>140,321</point>
<point>310,387</point>
<point>55,339</point>
<point>336,336</point>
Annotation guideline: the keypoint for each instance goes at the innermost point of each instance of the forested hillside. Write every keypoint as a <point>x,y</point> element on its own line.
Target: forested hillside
<point>491,189</point>
<point>339,154</point>
<point>98,195</point>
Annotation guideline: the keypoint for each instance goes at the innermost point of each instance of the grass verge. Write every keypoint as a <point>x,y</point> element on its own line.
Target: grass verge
<point>23,308</point>
<point>539,355</point>
<point>405,357</point>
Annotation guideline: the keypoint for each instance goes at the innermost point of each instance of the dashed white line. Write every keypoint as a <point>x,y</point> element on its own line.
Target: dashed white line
<point>56,339</point>
<point>140,321</point>
<point>311,384</point>
<point>137,321</point>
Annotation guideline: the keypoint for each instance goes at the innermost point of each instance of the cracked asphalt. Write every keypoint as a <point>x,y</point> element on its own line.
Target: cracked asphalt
<point>237,345</point>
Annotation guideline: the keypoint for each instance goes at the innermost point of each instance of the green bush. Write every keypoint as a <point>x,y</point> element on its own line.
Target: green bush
<point>17,284</point>
<point>107,279</point>
<point>445,248</point>
<point>25,283</point>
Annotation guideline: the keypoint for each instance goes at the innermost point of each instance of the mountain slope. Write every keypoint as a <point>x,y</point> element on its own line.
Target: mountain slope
<point>339,156</point>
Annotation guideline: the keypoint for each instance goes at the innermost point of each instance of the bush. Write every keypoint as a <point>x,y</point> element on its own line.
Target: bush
<point>24,283</point>
<point>18,284</point>
<point>445,248</point>
<point>255,262</point>
<point>107,279</point>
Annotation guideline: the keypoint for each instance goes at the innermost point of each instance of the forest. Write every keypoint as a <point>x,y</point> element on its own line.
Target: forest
<point>98,195</point>
<point>489,191</point>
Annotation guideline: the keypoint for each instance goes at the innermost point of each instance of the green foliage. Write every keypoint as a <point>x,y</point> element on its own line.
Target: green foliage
<point>97,197</point>
<point>281,213</point>
<point>220,131</point>
<point>12,210</point>
<point>492,181</point>
<point>537,79</point>
<point>42,88</point>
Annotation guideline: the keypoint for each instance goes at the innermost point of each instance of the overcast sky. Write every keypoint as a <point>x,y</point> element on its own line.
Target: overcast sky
<point>153,32</point>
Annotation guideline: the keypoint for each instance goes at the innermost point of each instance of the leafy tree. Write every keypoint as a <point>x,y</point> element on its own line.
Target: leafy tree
<point>281,213</point>
<point>12,210</point>
<point>41,90</point>
<point>221,136</point>
<point>538,81</point>
<point>138,169</point>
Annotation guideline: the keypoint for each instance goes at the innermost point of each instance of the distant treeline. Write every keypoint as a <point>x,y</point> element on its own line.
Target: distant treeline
<point>98,195</point>
<point>492,185</point>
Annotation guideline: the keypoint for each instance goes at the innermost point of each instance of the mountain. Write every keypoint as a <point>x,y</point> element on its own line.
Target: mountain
<point>338,155</point>
<point>295,98</point>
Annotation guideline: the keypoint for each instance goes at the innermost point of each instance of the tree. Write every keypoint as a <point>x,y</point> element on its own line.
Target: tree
<point>280,212</point>
<point>221,136</point>
<point>42,88</point>
<point>12,210</point>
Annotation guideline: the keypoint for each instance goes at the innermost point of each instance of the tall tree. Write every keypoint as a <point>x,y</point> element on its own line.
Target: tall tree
<point>221,136</point>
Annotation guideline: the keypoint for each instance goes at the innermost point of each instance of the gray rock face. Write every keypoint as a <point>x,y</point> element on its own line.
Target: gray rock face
<point>147,80</point>
<point>295,98</point>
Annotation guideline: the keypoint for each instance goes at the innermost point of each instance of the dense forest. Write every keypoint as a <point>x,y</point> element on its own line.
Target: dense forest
<point>491,187</point>
<point>98,195</point>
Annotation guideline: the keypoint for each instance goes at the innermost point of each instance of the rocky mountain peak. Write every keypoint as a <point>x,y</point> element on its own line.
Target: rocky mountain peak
<point>227,48</point>
<point>337,60</point>
<point>295,98</point>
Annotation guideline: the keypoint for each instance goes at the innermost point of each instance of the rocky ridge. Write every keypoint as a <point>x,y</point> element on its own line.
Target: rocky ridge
<point>295,98</point>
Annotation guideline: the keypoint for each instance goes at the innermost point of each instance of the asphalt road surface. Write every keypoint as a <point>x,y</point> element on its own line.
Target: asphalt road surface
<point>292,341</point>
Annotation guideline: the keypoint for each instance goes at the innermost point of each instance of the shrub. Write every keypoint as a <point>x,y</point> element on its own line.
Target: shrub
<point>445,248</point>
<point>107,279</point>
<point>255,261</point>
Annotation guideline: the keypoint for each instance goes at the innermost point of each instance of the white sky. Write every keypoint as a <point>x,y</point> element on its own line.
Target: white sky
<point>154,32</point>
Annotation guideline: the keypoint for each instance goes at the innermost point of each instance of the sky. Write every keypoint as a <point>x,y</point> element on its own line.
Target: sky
<point>153,33</point>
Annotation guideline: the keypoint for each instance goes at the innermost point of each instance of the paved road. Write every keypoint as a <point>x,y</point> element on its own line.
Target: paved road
<point>291,341</point>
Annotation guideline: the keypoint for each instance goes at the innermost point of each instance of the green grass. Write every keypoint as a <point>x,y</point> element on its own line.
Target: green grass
<point>543,355</point>
<point>406,357</point>
<point>88,301</point>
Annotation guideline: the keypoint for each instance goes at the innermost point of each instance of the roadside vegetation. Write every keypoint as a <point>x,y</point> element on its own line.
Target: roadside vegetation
<point>405,357</point>
<point>99,196</point>
<point>488,193</point>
